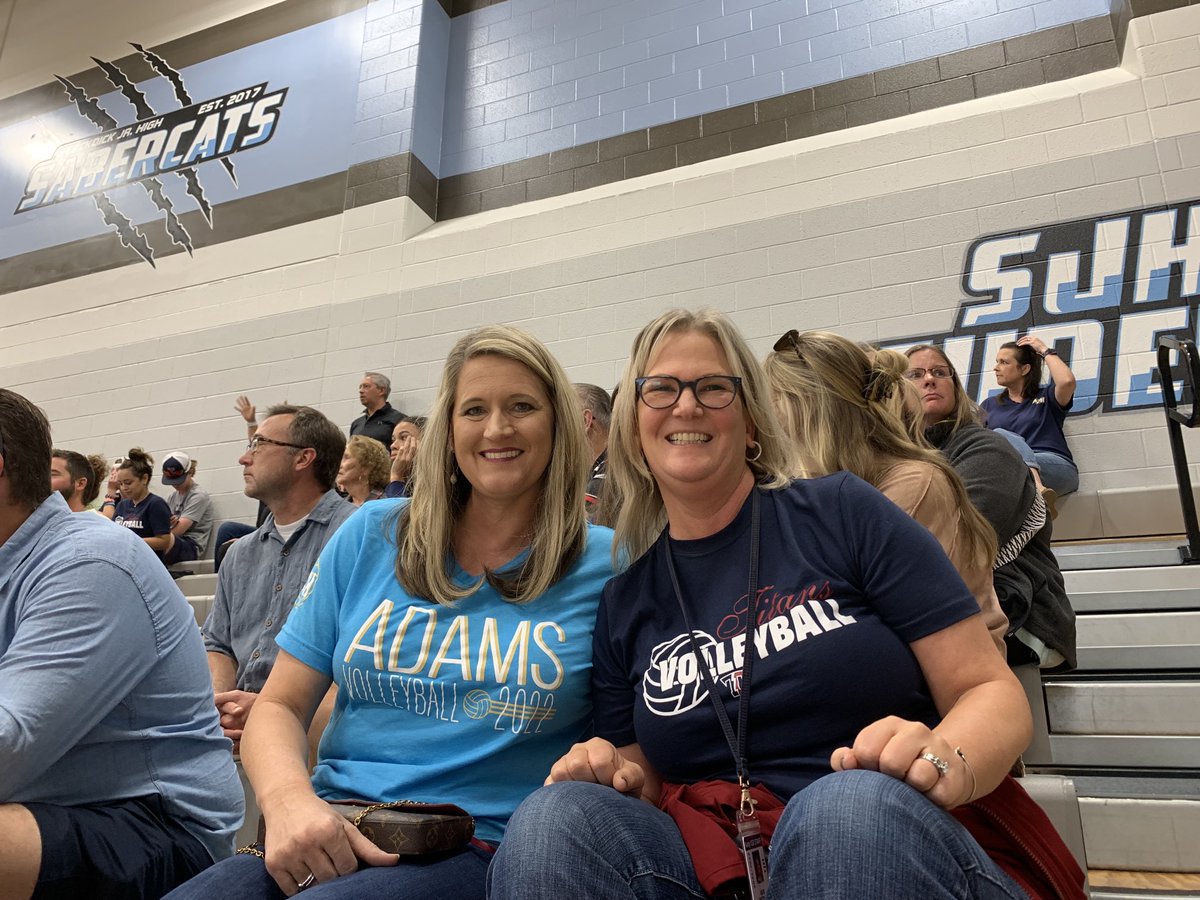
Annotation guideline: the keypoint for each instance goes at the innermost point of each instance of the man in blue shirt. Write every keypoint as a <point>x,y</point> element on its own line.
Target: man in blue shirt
<point>115,779</point>
<point>290,465</point>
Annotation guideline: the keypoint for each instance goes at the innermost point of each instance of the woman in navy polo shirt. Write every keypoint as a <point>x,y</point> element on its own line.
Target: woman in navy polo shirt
<point>1030,415</point>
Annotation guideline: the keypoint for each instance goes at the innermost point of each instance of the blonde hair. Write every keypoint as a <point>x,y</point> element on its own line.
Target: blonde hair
<point>895,365</point>
<point>425,529</point>
<point>369,454</point>
<point>847,413</point>
<point>641,515</point>
<point>966,410</point>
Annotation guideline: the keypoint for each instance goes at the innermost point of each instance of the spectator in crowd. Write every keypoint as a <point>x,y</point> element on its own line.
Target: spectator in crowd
<point>845,413</point>
<point>144,513</point>
<point>77,477</point>
<point>230,531</point>
<point>290,465</point>
<point>406,438</point>
<point>597,411</point>
<point>873,677</point>
<point>363,473</point>
<point>1031,416</point>
<point>493,550</point>
<point>191,509</point>
<point>1027,577</point>
<point>379,417</point>
<point>115,780</point>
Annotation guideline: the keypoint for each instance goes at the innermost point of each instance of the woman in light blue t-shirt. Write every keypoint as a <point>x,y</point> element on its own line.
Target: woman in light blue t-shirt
<point>457,629</point>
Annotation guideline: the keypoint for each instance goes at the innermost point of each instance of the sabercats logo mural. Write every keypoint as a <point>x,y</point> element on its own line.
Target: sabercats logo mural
<point>156,146</point>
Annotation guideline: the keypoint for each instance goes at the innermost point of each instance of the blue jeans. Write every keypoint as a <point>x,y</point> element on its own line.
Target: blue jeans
<point>850,834</point>
<point>1057,472</point>
<point>245,877</point>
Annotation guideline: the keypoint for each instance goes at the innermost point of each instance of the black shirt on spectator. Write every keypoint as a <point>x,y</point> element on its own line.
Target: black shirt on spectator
<point>378,425</point>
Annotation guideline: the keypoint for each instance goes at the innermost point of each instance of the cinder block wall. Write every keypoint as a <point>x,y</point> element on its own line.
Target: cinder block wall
<point>870,231</point>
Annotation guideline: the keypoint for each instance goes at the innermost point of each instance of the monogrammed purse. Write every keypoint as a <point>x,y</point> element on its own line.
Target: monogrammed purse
<point>405,827</point>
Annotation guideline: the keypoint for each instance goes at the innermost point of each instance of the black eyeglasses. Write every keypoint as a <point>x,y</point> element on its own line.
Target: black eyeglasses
<point>939,372</point>
<point>252,447</point>
<point>710,391</point>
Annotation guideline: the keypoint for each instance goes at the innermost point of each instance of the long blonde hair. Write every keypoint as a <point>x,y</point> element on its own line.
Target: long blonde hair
<point>425,527</point>
<point>642,516</point>
<point>846,413</point>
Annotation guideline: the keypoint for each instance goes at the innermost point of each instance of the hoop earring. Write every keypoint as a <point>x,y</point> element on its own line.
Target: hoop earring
<point>757,452</point>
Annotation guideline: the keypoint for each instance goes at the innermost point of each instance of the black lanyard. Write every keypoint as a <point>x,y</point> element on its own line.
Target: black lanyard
<point>737,743</point>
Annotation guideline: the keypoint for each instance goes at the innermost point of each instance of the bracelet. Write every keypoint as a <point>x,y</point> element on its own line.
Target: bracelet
<point>1050,351</point>
<point>974,784</point>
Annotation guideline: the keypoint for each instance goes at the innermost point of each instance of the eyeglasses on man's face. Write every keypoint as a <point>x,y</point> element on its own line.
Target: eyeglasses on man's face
<point>710,391</point>
<point>938,372</point>
<point>258,440</point>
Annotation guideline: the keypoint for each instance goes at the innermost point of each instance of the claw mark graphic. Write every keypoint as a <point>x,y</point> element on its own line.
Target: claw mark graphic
<point>129,233</point>
<point>179,234</point>
<point>197,192</point>
<point>154,187</point>
<point>121,82</point>
<point>163,68</point>
<point>88,107</point>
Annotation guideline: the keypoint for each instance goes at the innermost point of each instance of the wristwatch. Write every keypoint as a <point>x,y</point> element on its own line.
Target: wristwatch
<point>1050,351</point>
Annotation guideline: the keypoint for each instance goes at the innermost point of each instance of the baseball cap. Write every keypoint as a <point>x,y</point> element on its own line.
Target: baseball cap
<point>175,468</point>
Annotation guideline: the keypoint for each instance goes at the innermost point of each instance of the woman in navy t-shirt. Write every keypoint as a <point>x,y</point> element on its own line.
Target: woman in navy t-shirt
<point>1031,416</point>
<point>872,674</point>
<point>145,514</point>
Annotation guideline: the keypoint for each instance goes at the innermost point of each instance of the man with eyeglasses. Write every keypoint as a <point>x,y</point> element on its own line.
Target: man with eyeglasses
<point>290,465</point>
<point>115,780</point>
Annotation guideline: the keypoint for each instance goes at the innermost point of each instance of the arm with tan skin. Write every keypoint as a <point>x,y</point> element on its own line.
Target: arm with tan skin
<point>1060,372</point>
<point>304,836</point>
<point>248,412</point>
<point>160,543</point>
<point>109,508</point>
<point>983,709</point>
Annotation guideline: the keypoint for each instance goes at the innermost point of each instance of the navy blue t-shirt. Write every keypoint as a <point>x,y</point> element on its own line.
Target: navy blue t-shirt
<point>1038,419</point>
<point>149,518</point>
<point>846,582</point>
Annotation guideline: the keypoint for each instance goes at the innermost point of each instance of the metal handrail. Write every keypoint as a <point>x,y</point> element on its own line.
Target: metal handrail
<point>1177,419</point>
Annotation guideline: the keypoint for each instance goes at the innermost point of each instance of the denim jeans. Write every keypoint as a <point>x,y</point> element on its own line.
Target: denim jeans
<point>848,835</point>
<point>245,877</point>
<point>1056,471</point>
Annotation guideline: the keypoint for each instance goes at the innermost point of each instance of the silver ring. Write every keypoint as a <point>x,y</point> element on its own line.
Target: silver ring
<point>307,882</point>
<point>940,764</point>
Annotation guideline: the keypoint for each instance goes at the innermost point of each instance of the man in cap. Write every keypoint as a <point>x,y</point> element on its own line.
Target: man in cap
<point>191,509</point>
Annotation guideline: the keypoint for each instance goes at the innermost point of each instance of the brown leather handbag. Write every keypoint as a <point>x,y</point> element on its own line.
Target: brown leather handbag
<point>405,827</point>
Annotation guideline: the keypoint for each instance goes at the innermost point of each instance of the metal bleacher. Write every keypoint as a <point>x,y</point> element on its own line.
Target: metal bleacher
<point>1125,725</point>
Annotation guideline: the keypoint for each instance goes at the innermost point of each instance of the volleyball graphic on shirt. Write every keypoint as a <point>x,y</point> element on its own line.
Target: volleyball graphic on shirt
<point>672,684</point>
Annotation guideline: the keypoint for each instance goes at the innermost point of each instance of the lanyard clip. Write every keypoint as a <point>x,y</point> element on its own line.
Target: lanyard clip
<point>747,804</point>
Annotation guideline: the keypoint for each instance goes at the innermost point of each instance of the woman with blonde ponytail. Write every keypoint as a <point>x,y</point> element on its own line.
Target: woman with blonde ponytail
<point>847,412</point>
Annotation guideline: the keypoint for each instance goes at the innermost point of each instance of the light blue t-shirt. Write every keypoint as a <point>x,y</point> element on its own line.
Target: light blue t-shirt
<point>469,704</point>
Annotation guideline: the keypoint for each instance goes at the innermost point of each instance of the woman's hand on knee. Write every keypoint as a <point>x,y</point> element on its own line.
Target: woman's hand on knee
<point>599,762</point>
<point>308,838</point>
<point>894,746</point>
